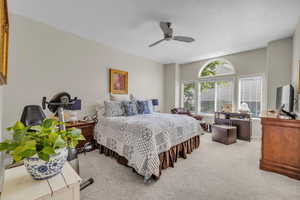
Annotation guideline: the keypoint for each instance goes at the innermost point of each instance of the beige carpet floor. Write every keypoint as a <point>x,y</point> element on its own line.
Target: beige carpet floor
<point>212,172</point>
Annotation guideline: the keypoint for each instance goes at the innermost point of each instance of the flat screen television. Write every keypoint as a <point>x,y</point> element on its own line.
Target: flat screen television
<point>285,96</point>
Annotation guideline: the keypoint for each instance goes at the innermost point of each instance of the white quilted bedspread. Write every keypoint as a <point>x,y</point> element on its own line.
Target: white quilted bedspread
<point>140,138</point>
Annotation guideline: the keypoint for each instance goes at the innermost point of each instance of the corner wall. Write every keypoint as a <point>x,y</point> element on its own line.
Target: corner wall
<point>171,86</point>
<point>279,67</point>
<point>296,60</point>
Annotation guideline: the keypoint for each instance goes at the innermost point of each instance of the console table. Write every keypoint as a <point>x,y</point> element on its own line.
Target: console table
<point>242,122</point>
<point>280,148</point>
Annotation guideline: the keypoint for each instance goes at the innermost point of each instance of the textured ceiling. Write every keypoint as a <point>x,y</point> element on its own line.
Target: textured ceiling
<point>219,26</point>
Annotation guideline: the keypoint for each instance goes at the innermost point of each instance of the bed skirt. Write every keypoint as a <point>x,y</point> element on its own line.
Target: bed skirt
<point>167,159</point>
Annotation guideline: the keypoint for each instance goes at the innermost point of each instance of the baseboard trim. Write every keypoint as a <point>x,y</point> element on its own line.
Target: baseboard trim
<point>286,170</point>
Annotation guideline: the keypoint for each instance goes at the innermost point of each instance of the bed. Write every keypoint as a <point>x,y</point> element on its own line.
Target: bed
<point>148,143</point>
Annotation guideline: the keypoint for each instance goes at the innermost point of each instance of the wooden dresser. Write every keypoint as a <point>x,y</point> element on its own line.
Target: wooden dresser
<point>280,149</point>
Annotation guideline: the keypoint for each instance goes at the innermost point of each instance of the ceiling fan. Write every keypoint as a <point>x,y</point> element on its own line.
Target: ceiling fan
<point>168,34</point>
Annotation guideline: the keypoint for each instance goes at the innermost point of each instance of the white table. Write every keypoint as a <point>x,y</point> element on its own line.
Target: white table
<point>19,185</point>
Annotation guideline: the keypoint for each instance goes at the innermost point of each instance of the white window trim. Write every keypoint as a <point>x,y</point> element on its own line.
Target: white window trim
<point>263,89</point>
<point>236,87</point>
<point>217,59</point>
<point>182,93</point>
<point>236,92</point>
<point>214,79</point>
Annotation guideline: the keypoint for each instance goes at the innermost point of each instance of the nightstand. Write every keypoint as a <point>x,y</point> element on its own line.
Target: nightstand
<point>87,130</point>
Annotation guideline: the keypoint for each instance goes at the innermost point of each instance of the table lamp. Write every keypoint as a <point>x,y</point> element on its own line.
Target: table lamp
<point>155,103</point>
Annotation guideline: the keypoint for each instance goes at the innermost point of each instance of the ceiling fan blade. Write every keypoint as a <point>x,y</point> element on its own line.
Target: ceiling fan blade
<point>165,27</point>
<point>183,39</point>
<point>155,43</point>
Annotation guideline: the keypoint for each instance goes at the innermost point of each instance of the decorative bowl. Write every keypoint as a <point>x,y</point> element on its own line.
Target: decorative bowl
<point>40,169</point>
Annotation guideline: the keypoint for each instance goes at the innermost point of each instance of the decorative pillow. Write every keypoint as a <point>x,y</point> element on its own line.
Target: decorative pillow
<point>146,107</point>
<point>129,108</point>
<point>150,105</point>
<point>113,108</point>
<point>140,106</point>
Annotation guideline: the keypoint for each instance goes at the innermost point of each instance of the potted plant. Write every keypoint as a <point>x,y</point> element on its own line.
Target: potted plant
<point>43,148</point>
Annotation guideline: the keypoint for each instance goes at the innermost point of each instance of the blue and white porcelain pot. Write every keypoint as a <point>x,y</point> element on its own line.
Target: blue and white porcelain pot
<point>40,169</point>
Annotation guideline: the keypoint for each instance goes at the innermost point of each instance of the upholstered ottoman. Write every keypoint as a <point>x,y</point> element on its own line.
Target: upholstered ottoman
<point>224,134</point>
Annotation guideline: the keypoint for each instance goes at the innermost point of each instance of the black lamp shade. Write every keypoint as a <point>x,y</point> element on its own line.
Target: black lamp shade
<point>76,105</point>
<point>155,102</point>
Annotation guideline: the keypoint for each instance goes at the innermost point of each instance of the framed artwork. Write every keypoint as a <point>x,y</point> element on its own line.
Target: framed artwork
<point>4,30</point>
<point>118,81</point>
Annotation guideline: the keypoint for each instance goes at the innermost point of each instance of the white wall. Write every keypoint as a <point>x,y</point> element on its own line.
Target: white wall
<point>171,86</point>
<point>296,60</point>
<point>279,67</point>
<point>45,61</point>
<point>296,55</point>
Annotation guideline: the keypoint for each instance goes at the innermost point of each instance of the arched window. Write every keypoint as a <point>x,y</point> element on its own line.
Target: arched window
<point>215,90</point>
<point>218,67</point>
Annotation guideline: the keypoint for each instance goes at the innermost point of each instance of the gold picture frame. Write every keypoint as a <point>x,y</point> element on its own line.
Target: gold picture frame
<point>4,33</point>
<point>118,81</point>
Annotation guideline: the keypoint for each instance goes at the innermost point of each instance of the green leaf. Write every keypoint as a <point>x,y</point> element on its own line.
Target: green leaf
<point>49,123</point>
<point>59,143</point>
<point>19,149</point>
<point>36,128</point>
<point>53,137</point>
<point>48,150</point>
<point>31,144</point>
<point>28,153</point>
<point>12,146</point>
<point>44,156</point>
<point>74,143</point>
<point>18,126</point>
<point>47,142</point>
<point>18,135</point>
<point>81,137</point>
<point>4,145</point>
<point>74,132</point>
<point>16,157</point>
